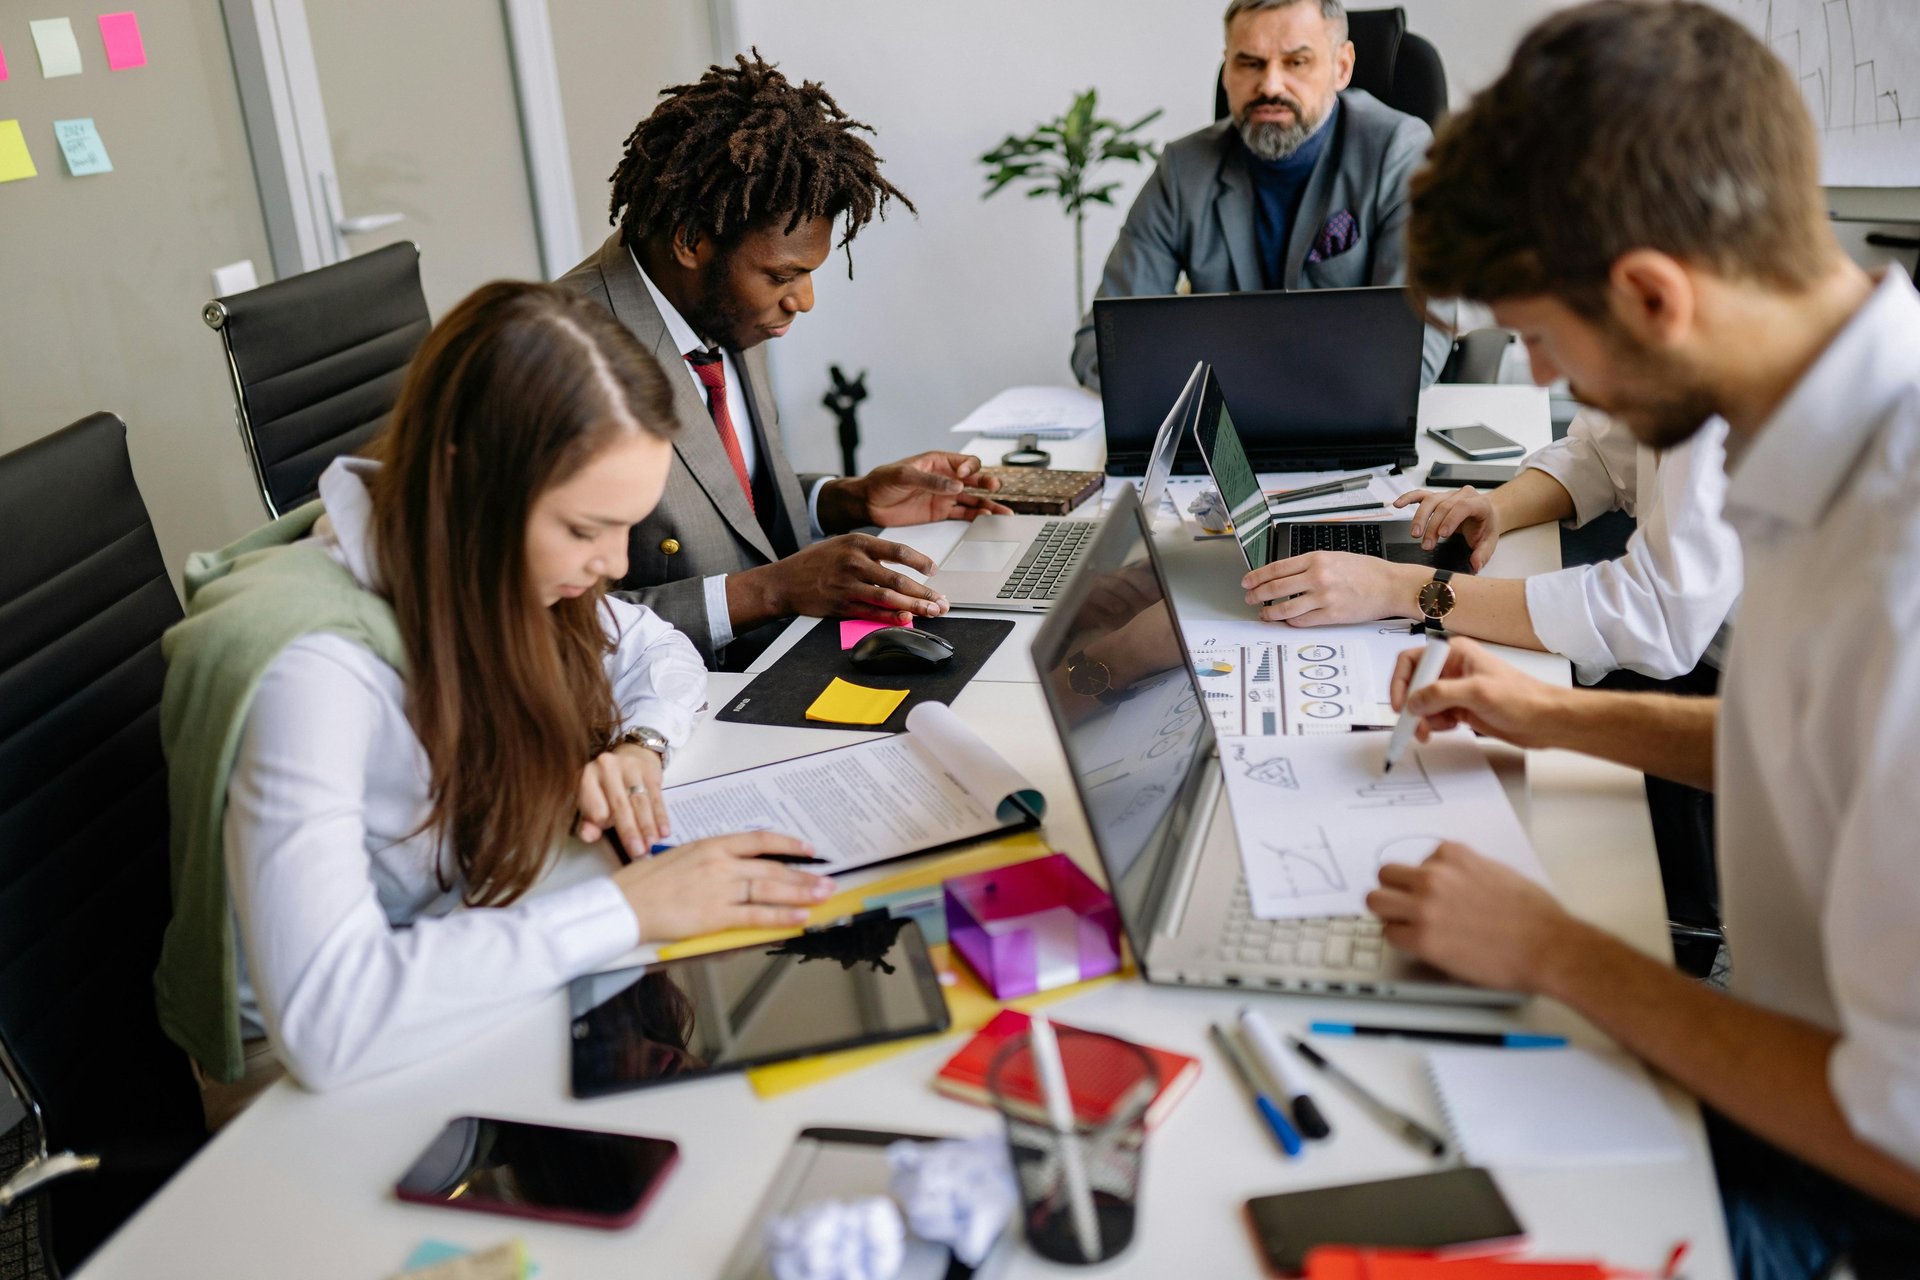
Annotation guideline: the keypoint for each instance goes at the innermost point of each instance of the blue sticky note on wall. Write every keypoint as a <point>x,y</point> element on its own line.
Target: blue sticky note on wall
<point>80,143</point>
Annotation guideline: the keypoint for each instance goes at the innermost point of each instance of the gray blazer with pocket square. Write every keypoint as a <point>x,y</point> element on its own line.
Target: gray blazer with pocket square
<point>703,525</point>
<point>1196,215</point>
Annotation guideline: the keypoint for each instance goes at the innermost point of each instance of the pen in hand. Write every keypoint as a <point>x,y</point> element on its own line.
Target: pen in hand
<point>1424,674</point>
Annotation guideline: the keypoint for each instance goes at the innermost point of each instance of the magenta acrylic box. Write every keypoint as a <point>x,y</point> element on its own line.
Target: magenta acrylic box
<point>1033,926</point>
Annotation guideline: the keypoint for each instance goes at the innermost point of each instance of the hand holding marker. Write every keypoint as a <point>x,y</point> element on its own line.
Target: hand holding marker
<point>1424,674</point>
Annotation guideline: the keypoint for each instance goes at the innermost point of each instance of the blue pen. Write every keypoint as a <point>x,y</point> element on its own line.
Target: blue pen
<point>1492,1039</point>
<point>1276,1119</point>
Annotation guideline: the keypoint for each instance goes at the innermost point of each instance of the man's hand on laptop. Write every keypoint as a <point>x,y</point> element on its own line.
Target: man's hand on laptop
<point>1476,919</point>
<point>1485,694</point>
<point>936,485</point>
<point>1322,588</point>
<point>1465,511</point>
<point>844,577</point>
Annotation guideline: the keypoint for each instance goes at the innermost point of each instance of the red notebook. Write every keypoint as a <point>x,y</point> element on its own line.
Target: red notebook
<point>965,1074</point>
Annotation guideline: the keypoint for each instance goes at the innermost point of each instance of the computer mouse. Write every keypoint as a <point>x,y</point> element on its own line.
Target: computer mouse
<point>900,651</point>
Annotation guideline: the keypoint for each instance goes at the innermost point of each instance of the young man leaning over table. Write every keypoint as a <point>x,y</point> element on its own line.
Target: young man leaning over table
<point>1707,283</point>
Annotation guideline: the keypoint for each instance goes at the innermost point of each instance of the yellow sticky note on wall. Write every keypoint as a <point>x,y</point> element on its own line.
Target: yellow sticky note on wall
<point>844,703</point>
<point>15,161</point>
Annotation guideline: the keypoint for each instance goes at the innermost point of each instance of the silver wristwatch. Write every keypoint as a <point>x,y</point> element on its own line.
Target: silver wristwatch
<point>652,739</point>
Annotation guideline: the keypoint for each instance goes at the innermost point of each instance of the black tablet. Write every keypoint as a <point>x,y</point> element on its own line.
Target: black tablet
<point>858,983</point>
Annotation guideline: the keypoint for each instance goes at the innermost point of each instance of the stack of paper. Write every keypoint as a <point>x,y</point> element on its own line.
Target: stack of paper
<point>1052,413</point>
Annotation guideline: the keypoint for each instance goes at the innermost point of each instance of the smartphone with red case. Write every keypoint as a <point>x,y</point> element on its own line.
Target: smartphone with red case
<point>579,1176</point>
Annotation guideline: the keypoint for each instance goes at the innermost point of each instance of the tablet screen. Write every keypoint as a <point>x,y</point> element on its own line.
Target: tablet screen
<point>858,983</point>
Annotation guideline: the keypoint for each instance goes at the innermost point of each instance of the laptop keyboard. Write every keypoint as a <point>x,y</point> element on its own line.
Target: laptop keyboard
<point>1363,539</point>
<point>1341,942</point>
<point>1049,559</point>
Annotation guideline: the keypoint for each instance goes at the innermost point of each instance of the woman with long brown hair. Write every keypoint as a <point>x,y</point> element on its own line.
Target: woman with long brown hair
<point>381,722</point>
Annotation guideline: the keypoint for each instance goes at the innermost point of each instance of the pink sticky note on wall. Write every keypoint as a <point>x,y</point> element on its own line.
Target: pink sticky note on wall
<point>852,632</point>
<point>121,34</point>
<point>3,64</point>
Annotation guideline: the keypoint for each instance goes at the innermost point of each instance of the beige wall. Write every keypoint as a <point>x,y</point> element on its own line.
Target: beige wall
<point>102,278</point>
<point>614,59</point>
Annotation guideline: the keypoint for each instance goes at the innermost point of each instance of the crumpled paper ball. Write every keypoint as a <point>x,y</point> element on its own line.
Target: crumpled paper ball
<point>959,1193</point>
<point>838,1240</point>
<point>1209,512</point>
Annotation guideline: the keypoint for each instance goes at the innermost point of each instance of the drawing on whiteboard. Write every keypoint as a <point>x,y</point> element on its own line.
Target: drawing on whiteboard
<point>1407,850</point>
<point>1402,789</point>
<point>1307,865</point>
<point>1275,772</point>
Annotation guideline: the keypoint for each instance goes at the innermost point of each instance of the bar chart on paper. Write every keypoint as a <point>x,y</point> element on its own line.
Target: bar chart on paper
<point>1266,680</point>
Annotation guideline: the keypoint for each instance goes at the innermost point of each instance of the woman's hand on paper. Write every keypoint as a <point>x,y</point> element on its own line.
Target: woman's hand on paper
<point>1485,694</point>
<point>620,790</point>
<point>720,883</point>
<point>1474,918</point>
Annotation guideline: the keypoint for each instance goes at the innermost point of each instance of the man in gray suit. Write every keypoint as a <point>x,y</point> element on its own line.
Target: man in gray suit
<point>726,203</point>
<point>1302,186</point>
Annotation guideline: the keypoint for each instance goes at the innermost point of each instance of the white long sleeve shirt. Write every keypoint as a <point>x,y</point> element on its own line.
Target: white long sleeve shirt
<point>353,958</point>
<point>1658,608</point>
<point>1819,730</point>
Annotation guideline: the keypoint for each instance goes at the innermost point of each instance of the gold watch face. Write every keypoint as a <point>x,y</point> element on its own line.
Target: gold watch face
<point>1089,677</point>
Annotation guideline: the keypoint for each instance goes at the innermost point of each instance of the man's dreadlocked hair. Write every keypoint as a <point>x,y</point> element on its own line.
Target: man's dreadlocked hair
<point>742,146</point>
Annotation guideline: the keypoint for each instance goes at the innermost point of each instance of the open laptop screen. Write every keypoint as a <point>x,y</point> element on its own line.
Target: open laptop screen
<point>1127,706</point>
<point>1233,475</point>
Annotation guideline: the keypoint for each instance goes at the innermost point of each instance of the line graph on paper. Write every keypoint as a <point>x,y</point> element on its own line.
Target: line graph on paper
<point>1306,864</point>
<point>1858,66</point>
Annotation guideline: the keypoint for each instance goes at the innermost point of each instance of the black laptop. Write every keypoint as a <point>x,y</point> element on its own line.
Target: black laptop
<point>1322,378</point>
<point>1263,539</point>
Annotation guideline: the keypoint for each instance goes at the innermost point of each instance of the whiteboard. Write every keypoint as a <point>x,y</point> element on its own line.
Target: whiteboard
<point>1858,64</point>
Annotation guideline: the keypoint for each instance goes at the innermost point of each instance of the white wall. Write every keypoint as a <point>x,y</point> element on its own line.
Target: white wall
<point>971,297</point>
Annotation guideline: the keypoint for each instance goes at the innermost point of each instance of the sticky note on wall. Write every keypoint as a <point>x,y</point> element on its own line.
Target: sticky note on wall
<point>15,161</point>
<point>80,144</point>
<point>120,32</point>
<point>59,51</point>
<point>3,63</point>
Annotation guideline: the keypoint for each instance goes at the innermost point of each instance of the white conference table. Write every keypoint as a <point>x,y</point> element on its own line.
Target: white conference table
<point>299,1185</point>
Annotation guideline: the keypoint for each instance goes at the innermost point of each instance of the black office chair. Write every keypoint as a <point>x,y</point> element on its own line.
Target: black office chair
<point>1390,62</point>
<point>1476,356</point>
<point>317,361</point>
<point>84,898</point>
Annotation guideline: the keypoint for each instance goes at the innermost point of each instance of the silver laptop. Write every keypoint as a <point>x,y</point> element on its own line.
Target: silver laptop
<point>1020,563</point>
<point>1141,751</point>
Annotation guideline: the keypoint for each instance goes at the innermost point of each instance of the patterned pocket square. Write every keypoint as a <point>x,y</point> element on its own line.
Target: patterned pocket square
<point>1340,234</point>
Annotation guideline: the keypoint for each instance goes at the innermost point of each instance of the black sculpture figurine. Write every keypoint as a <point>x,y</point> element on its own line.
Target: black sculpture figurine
<point>844,399</point>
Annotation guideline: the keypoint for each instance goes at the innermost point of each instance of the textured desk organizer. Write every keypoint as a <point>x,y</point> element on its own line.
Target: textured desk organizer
<point>1033,926</point>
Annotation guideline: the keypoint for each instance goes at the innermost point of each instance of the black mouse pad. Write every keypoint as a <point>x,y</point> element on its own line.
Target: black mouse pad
<point>781,694</point>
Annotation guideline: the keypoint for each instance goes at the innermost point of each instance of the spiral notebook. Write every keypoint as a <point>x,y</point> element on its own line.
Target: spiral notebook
<point>1550,1108</point>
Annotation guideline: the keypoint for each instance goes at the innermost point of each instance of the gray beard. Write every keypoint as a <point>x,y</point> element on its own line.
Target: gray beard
<point>1270,141</point>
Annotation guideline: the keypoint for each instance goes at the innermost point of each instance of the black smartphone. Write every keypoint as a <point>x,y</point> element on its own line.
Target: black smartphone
<point>580,1176</point>
<point>1452,1209</point>
<point>1481,475</point>
<point>1477,441</point>
<point>861,982</point>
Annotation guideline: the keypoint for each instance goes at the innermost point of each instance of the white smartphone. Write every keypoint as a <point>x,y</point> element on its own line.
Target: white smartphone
<point>1477,441</point>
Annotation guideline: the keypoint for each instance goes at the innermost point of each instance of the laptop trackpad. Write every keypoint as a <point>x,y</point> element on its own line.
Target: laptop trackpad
<point>980,555</point>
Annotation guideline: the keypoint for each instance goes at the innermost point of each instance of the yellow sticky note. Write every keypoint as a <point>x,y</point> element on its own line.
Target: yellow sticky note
<point>15,161</point>
<point>845,703</point>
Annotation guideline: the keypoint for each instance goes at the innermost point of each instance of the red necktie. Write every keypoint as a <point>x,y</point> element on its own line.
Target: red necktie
<point>712,373</point>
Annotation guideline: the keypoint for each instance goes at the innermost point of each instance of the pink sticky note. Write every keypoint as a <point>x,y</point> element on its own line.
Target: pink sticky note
<point>853,632</point>
<point>121,34</point>
<point>3,64</point>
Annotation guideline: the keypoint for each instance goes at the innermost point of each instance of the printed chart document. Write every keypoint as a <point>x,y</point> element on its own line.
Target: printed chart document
<point>1263,679</point>
<point>936,784</point>
<point>1316,819</point>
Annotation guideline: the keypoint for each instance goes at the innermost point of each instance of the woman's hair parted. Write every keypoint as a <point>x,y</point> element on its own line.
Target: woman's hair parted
<point>742,147</point>
<point>1621,125</point>
<point>516,389</point>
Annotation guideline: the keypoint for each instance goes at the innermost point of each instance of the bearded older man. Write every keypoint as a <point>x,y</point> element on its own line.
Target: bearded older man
<point>1302,186</point>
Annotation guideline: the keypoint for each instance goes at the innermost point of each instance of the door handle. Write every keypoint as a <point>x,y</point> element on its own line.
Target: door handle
<point>367,222</point>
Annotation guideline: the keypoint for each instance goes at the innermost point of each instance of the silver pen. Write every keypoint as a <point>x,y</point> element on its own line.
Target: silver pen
<point>1344,485</point>
<point>1395,1121</point>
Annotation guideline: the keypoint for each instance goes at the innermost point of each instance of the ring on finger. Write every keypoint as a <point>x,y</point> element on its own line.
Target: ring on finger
<point>637,791</point>
<point>746,892</point>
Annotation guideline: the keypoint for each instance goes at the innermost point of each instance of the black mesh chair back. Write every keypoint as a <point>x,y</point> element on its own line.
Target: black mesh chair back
<point>84,597</point>
<point>1393,64</point>
<point>317,362</point>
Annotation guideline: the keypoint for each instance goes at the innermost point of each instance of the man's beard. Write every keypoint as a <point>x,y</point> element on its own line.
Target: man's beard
<point>1663,405</point>
<point>713,315</point>
<point>1270,140</point>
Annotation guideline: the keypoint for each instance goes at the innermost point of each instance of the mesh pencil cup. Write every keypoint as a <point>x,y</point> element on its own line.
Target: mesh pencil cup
<point>1112,1083</point>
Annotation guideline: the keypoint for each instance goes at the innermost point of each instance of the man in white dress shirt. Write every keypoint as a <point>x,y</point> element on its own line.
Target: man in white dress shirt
<point>1707,283</point>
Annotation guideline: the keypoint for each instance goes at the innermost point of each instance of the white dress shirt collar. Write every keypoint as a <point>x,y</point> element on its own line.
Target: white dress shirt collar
<point>1795,465</point>
<point>684,338</point>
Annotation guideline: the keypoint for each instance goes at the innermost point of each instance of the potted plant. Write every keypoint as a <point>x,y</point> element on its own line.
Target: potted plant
<point>1060,157</point>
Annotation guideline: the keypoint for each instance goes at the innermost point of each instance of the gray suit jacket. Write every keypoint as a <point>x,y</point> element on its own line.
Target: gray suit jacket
<point>703,524</point>
<point>1196,214</point>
